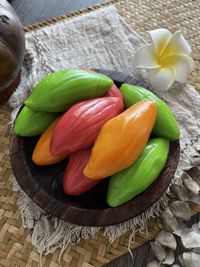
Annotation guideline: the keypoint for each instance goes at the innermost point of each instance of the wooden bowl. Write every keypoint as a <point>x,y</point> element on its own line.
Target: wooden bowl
<point>43,184</point>
<point>8,91</point>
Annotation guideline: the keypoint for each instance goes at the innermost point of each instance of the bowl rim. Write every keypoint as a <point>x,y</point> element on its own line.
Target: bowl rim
<point>94,217</point>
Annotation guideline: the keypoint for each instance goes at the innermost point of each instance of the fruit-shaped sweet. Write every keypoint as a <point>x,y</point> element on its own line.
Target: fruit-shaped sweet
<point>121,140</point>
<point>166,125</point>
<point>42,154</point>
<point>128,183</point>
<point>114,92</point>
<point>74,181</point>
<point>12,45</point>
<point>80,125</point>
<point>60,90</point>
<point>30,123</point>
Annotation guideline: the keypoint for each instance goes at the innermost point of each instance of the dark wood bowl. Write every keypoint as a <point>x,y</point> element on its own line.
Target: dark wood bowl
<point>43,184</point>
<point>6,93</point>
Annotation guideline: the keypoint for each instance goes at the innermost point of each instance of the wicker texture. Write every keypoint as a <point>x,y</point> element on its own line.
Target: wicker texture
<point>15,242</point>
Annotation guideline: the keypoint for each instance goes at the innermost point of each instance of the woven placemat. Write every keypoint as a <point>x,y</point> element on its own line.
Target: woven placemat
<point>15,242</point>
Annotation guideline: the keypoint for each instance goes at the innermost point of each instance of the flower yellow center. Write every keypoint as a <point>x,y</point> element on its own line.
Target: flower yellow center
<point>165,52</point>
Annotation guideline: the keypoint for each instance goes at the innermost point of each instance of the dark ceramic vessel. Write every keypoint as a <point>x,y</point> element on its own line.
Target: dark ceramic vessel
<point>12,47</point>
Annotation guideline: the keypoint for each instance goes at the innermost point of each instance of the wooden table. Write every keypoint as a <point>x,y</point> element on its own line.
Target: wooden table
<point>31,11</point>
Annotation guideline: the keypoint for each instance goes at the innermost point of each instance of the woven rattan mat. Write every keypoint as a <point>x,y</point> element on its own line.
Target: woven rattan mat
<point>15,242</point>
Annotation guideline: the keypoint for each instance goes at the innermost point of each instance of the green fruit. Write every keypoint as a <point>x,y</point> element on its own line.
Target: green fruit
<point>128,183</point>
<point>60,90</point>
<point>30,123</point>
<point>166,125</point>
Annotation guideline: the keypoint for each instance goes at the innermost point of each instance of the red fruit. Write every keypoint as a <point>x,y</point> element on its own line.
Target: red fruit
<point>79,126</point>
<point>114,92</point>
<point>74,181</point>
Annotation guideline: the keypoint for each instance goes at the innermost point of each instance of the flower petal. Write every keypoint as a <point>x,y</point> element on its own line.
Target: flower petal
<point>161,79</point>
<point>183,66</point>
<point>145,57</point>
<point>160,38</point>
<point>177,45</point>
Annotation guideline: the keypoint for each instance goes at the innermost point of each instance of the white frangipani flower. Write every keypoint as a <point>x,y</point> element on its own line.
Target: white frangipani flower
<point>166,59</point>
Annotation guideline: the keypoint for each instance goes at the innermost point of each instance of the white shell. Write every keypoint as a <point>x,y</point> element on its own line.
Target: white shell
<point>195,228</point>
<point>194,198</point>
<point>153,263</point>
<point>158,250</point>
<point>169,257</point>
<point>191,259</point>
<point>192,185</point>
<point>179,231</point>
<point>181,210</point>
<point>166,239</point>
<point>181,227</point>
<point>180,192</point>
<point>194,173</point>
<point>190,238</point>
<point>169,221</point>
